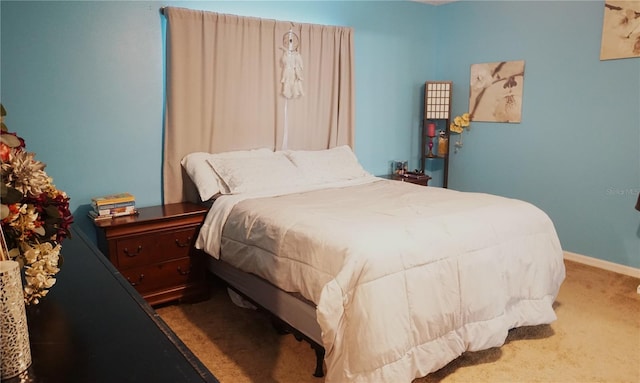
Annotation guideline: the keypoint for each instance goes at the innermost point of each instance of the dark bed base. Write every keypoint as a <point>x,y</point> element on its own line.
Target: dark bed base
<point>285,328</point>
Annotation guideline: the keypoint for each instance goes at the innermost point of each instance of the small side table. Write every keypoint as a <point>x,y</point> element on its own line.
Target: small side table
<point>418,180</point>
<point>154,250</point>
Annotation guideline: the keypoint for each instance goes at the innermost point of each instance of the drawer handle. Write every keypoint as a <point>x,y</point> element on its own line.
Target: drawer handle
<point>183,244</point>
<point>140,278</point>
<point>138,250</point>
<point>184,272</point>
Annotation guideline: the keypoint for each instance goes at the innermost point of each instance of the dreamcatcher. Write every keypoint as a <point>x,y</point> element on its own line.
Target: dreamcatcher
<point>291,75</point>
<point>291,66</point>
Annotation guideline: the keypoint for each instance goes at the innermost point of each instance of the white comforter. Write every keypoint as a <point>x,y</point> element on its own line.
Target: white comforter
<point>405,277</point>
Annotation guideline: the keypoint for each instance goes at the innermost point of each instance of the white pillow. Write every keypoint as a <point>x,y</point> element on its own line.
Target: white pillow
<point>205,178</point>
<point>329,165</point>
<point>255,174</point>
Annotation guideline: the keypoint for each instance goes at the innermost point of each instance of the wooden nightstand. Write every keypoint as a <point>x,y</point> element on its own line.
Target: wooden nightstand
<point>421,180</point>
<point>154,250</point>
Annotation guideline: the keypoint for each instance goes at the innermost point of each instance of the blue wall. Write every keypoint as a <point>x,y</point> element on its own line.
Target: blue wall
<point>83,84</point>
<point>576,153</point>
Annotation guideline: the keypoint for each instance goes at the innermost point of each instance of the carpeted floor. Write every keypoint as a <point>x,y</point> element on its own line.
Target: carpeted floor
<point>595,339</point>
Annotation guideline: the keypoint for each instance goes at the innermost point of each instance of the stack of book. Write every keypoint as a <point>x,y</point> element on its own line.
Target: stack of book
<point>114,205</point>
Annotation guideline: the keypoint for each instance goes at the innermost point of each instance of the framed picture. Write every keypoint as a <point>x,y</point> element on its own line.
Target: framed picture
<point>620,30</point>
<point>495,91</point>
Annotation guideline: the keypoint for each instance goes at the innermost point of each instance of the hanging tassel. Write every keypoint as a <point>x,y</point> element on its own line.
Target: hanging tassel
<point>292,75</point>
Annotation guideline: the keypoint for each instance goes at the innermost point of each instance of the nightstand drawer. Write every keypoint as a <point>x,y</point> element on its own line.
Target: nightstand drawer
<point>158,276</point>
<point>135,251</point>
<point>145,249</point>
<point>174,244</point>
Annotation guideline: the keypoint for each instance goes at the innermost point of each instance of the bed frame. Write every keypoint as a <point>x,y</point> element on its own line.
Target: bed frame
<point>289,313</point>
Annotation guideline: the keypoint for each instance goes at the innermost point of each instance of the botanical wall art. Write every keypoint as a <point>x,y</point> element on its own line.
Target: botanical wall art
<point>620,30</point>
<point>495,91</point>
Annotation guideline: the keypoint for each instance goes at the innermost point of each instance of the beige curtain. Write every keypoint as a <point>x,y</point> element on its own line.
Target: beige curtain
<point>224,91</point>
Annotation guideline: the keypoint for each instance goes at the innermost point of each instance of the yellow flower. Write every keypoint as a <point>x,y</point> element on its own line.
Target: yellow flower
<point>460,123</point>
<point>464,119</point>
<point>455,128</point>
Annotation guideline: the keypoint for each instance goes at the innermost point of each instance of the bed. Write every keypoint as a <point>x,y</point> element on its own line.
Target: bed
<point>393,280</point>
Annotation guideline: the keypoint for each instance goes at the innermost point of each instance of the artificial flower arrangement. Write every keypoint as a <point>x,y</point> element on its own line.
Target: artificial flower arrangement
<point>459,124</point>
<point>34,215</point>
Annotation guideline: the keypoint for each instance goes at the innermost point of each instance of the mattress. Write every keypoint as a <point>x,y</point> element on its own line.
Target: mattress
<point>405,278</point>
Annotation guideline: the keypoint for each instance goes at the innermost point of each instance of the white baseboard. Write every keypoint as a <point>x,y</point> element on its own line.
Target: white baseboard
<point>601,264</point>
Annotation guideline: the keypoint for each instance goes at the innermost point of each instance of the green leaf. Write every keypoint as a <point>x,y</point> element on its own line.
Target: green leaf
<point>48,230</point>
<point>9,195</point>
<point>52,211</point>
<point>10,140</point>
